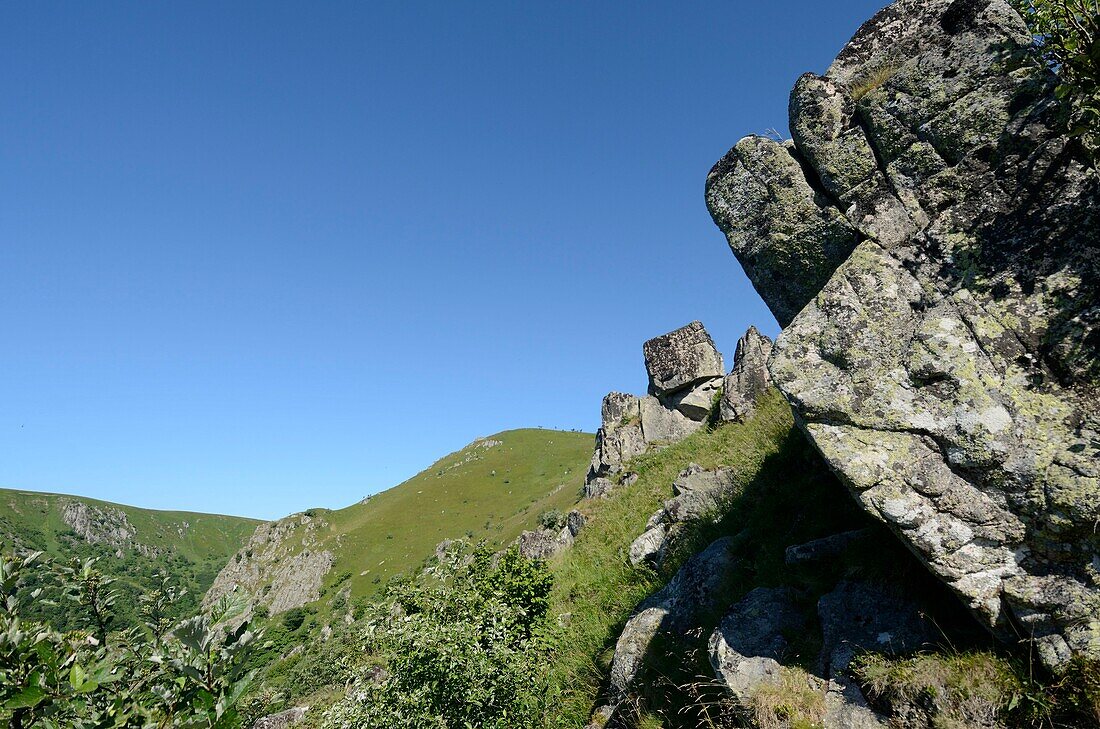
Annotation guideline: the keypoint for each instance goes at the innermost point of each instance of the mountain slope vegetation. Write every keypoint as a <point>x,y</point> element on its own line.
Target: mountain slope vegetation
<point>490,490</point>
<point>134,545</point>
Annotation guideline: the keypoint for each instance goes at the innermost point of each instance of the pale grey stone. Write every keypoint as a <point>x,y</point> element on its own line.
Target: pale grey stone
<point>928,241</point>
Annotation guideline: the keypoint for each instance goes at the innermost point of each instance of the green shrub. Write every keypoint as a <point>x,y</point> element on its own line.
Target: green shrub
<point>295,617</point>
<point>552,519</point>
<point>1068,32</point>
<point>190,676</point>
<point>458,646</point>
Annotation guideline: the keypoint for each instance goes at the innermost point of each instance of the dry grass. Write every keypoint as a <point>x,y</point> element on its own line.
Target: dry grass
<point>797,701</point>
<point>953,689</point>
<point>872,80</point>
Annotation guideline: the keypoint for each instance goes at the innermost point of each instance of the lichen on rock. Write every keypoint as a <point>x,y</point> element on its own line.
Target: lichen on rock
<point>929,242</point>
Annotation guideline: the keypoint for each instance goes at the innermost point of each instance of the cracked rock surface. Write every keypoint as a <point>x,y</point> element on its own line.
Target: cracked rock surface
<point>929,241</point>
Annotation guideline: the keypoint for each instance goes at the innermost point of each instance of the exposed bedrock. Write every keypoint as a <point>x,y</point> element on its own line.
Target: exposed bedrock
<point>929,240</point>
<point>685,384</point>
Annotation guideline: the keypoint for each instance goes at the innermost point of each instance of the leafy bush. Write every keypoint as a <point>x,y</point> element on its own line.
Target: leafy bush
<point>552,519</point>
<point>1068,32</point>
<point>458,646</point>
<point>190,676</point>
<point>293,618</point>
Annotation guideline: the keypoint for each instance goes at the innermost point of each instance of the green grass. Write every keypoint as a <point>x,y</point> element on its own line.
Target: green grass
<point>192,547</point>
<point>481,493</point>
<point>595,584</point>
<point>786,495</point>
<point>958,689</point>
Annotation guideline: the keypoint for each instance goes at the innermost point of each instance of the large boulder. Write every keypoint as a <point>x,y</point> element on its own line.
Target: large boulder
<point>749,647</point>
<point>680,359</point>
<point>750,653</point>
<point>929,241</point>
<point>694,590</point>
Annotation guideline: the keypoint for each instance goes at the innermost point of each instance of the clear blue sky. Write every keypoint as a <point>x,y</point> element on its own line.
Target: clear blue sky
<point>256,257</point>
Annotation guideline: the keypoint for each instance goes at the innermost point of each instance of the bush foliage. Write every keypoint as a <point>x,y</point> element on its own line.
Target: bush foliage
<point>1068,32</point>
<point>457,646</point>
<point>151,675</point>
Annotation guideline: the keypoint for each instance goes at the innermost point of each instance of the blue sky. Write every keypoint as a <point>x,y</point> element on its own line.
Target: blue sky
<point>256,257</point>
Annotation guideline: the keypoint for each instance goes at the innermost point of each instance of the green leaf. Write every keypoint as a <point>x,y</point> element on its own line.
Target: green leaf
<point>28,698</point>
<point>76,676</point>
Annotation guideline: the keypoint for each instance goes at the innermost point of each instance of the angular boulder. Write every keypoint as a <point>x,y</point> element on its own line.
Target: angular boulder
<point>749,647</point>
<point>675,609</point>
<point>681,358</point>
<point>928,241</point>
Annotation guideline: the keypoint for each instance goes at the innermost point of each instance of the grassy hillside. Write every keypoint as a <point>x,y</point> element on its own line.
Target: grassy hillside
<point>595,587</point>
<point>133,544</point>
<point>492,489</point>
<point>482,492</point>
<point>787,497</point>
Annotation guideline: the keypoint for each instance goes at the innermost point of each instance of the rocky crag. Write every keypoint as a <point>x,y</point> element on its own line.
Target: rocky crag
<point>281,567</point>
<point>688,389</point>
<point>106,525</point>
<point>703,607</point>
<point>929,242</point>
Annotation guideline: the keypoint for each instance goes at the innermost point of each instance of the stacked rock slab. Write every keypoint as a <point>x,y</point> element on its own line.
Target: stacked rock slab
<point>697,493</point>
<point>685,376</point>
<point>929,242</point>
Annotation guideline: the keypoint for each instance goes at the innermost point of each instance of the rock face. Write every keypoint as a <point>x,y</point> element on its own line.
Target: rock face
<point>749,378</point>
<point>104,525</point>
<point>929,242</point>
<point>277,568</point>
<point>685,377</point>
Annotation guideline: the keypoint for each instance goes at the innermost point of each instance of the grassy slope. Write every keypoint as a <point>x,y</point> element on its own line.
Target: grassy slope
<point>482,493</point>
<point>35,518</point>
<point>787,496</point>
<point>190,546</point>
<point>396,530</point>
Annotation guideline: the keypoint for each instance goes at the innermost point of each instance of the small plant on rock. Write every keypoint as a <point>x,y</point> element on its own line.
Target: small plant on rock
<point>1068,33</point>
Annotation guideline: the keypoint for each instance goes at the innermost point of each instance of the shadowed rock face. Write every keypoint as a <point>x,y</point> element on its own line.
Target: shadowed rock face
<point>930,243</point>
